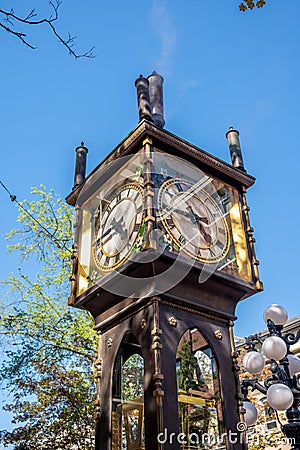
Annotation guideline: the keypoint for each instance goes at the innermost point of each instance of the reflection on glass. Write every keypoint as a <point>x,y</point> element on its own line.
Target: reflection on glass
<point>128,398</point>
<point>199,401</point>
<point>189,199</point>
<point>110,221</point>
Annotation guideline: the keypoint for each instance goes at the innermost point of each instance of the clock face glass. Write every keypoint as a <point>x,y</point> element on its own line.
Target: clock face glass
<point>200,216</point>
<point>193,220</point>
<point>188,212</point>
<point>117,226</point>
<point>110,217</point>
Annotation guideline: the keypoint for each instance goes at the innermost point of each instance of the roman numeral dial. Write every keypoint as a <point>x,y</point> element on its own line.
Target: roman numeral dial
<point>193,219</point>
<point>117,226</point>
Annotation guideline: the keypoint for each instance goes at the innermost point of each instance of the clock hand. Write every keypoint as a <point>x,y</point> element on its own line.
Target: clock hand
<point>187,214</point>
<point>109,238</point>
<point>114,227</point>
<point>99,239</point>
<point>104,234</point>
<point>194,216</point>
<point>202,230</point>
<point>198,220</point>
<point>119,227</point>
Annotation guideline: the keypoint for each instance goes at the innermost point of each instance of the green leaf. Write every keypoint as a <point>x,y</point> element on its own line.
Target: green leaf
<point>49,348</point>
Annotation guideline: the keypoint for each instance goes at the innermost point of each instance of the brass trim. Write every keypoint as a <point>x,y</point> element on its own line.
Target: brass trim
<point>172,321</point>
<point>158,377</point>
<point>249,230</point>
<point>195,311</point>
<point>240,242</point>
<point>218,335</point>
<point>143,324</point>
<point>133,139</point>
<point>73,277</point>
<point>98,377</point>
<point>148,192</point>
<point>147,141</point>
<point>236,370</point>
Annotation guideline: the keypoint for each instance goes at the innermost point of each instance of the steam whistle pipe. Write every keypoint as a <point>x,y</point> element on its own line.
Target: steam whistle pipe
<point>80,165</point>
<point>156,98</point>
<point>235,149</point>
<point>142,88</point>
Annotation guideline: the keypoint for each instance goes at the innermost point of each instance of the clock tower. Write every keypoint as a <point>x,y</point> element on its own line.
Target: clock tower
<point>163,252</point>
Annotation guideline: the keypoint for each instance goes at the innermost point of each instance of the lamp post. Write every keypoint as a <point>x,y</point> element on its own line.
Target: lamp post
<point>282,387</point>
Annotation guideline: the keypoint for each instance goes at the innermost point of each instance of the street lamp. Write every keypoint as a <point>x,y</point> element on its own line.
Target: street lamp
<point>282,388</point>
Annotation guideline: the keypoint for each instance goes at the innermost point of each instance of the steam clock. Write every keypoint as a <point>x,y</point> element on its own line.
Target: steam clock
<point>163,252</point>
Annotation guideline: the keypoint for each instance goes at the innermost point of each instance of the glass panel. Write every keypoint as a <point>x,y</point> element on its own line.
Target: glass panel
<point>196,214</point>
<point>199,400</point>
<point>200,215</point>
<point>110,226</point>
<point>128,398</point>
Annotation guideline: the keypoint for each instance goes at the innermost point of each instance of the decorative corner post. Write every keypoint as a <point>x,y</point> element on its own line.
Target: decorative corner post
<point>236,370</point>
<point>149,193</point>
<point>73,277</point>
<point>249,230</point>
<point>158,376</point>
<point>98,377</point>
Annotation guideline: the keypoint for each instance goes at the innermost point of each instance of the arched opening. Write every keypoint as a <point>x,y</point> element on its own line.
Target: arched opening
<point>199,400</point>
<point>128,397</point>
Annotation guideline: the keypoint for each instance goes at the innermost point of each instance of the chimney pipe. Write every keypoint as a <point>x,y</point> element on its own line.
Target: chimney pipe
<point>142,88</point>
<point>80,166</point>
<point>235,149</point>
<point>156,98</point>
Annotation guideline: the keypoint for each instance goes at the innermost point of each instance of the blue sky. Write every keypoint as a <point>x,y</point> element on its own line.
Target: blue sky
<point>221,67</point>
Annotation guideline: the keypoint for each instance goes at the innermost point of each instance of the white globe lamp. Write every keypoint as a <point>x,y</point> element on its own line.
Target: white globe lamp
<point>253,362</point>
<point>251,414</point>
<point>294,364</point>
<point>278,314</point>
<point>274,348</point>
<point>280,397</point>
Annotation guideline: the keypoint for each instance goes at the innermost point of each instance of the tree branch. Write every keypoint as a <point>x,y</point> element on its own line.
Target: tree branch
<point>9,17</point>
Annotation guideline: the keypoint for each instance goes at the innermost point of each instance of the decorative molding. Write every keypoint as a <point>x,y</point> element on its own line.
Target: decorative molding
<point>218,335</point>
<point>148,190</point>
<point>236,370</point>
<point>249,231</point>
<point>74,275</point>
<point>98,377</point>
<point>143,324</point>
<point>157,376</point>
<point>198,312</point>
<point>109,342</point>
<point>141,134</point>
<point>199,154</point>
<point>172,321</point>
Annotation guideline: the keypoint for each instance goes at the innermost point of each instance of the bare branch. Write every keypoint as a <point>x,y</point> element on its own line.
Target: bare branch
<point>19,35</point>
<point>9,19</point>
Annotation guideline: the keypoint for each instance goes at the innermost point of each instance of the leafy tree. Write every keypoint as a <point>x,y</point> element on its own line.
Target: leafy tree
<point>251,4</point>
<point>187,372</point>
<point>48,348</point>
<point>133,378</point>
<point>17,25</point>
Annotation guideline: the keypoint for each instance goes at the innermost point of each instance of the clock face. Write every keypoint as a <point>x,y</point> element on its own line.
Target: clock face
<point>193,220</point>
<point>117,225</point>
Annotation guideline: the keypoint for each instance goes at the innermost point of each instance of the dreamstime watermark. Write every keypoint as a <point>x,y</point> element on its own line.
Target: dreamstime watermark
<point>210,440</point>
